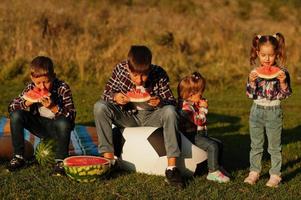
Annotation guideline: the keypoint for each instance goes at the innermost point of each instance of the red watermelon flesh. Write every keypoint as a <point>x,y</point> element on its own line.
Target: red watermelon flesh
<point>85,161</point>
<point>138,95</point>
<point>35,95</point>
<point>268,72</point>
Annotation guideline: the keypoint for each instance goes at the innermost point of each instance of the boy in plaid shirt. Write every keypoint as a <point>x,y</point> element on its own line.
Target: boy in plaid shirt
<point>115,107</point>
<point>52,117</point>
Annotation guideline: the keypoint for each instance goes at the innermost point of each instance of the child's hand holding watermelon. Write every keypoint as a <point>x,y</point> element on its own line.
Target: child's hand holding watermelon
<point>121,99</point>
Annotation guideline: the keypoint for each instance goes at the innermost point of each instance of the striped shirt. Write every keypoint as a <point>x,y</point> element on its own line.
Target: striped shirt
<point>60,95</point>
<point>269,89</point>
<point>157,84</point>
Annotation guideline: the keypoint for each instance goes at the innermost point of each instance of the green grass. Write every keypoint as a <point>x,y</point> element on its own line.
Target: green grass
<point>228,118</point>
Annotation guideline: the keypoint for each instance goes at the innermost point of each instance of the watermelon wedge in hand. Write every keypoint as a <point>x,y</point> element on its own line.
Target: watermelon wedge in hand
<point>138,95</point>
<point>35,95</point>
<point>268,72</point>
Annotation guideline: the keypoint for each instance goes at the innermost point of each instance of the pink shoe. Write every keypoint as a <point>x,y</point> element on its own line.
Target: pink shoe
<point>252,178</point>
<point>218,176</point>
<point>273,181</point>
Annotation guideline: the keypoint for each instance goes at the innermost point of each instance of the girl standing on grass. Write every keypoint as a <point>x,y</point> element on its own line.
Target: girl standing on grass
<point>266,114</point>
<point>193,109</point>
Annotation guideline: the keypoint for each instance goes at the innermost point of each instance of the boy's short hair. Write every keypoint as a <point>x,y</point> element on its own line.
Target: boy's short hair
<point>140,59</point>
<point>42,66</point>
<point>190,85</point>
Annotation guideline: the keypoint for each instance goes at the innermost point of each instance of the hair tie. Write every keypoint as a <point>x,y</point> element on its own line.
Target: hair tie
<point>258,36</point>
<point>196,75</point>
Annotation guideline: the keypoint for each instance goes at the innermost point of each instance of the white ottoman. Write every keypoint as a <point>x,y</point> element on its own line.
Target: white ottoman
<point>144,151</point>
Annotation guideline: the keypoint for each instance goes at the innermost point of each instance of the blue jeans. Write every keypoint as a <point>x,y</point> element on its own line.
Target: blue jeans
<point>106,114</point>
<point>212,146</point>
<point>266,120</point>
<point>59,129</point>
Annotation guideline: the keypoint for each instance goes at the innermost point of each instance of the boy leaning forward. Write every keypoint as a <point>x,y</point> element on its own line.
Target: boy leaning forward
<point>115,107</point>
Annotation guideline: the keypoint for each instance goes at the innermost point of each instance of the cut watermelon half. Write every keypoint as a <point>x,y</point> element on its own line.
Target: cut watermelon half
<point>35,95</point>
<point>138,95</point>
<point>268,72</point>
<point>86,168</point>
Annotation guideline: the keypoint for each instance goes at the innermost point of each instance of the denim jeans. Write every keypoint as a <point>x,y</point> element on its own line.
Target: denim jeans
<point>266,120</point>
<point>106,114</point>
<point>212,146</point>
<point>59,129</point>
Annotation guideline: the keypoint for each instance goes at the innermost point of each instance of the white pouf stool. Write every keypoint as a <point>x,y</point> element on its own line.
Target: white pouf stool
<point>143,151</point>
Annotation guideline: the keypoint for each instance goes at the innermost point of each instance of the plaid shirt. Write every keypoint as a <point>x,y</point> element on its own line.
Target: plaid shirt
<point>193,115</point>
<point>269,89</point>
<point>157,84</point>
<point>60,95</point>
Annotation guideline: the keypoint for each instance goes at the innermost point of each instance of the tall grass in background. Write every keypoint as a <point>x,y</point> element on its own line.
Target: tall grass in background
<point>87,38</point>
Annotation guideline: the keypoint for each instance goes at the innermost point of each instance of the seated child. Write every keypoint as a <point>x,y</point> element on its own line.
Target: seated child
<point>51,117</point>
<point>116,108</point>
<point>193,110</point>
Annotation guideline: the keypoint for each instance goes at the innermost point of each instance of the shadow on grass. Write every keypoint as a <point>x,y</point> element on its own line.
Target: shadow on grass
<point>237,145</point>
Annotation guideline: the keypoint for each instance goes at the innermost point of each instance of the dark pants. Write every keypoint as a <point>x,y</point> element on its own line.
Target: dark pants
<point>212,146</point>
<point>58,129</point>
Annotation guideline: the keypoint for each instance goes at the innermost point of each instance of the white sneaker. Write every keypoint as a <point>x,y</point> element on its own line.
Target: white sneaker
<point>273,181</point>
<point>252,178</point>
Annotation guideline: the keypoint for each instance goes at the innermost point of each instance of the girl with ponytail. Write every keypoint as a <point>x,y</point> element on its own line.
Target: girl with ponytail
<point>266,115</point>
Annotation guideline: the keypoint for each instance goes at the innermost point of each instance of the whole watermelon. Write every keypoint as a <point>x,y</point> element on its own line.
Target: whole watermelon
<point>45,152</point>
<point>86,168</point>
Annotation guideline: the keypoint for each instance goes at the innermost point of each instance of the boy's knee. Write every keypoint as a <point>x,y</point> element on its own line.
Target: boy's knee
<point>100,107</point>
<point>16,115</point>
<point>169,111</point>
<point>63,125</point>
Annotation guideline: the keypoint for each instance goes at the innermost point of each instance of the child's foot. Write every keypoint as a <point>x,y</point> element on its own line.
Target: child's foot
<point>252,178</point>
<point>58,169</point>
<point>173,177</point>
<point>16,163</point>
<point>218,176</point>
<point>273,181</point>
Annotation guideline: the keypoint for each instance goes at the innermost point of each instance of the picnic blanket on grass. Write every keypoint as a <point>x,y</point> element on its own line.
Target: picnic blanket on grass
<point>83,140</point>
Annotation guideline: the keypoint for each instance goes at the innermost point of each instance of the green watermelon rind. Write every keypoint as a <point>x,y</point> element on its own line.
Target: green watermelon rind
<point>86,174</point>
<point>49,159</point>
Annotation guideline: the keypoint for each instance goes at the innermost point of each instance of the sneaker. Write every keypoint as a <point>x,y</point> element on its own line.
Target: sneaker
<point>58,169</point>
<point>16,163</point>
<point>273,181</point>
<point>252,178</point>
<point>173,177</point>
<point>218,176</point>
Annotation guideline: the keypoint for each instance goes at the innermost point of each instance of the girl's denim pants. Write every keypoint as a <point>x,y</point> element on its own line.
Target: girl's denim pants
<point>266,120</point>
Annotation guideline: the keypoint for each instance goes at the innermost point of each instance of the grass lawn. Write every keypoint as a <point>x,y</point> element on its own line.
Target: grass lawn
<point>228,118</point>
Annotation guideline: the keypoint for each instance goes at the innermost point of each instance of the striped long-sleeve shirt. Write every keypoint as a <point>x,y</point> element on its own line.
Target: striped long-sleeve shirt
<point>157,84</point>
<point>60,95</point>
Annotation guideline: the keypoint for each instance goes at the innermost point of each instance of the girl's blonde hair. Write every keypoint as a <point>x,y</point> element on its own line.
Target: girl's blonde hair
<point>277,41</point>
<point>190,85</point>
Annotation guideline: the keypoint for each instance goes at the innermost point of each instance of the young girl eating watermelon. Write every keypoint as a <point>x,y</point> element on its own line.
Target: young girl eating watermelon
<point>193,109</point>
<point>45,108</point>
<point>267,85</point>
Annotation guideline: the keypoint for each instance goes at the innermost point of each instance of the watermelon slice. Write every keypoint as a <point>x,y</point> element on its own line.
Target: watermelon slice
<point>138,95</point>
<point>35,95</point>
<point>86,168</point>
<point>268,72</point>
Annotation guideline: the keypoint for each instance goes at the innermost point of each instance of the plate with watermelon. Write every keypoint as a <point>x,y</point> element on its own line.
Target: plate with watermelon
<point>138,95</point>
<point>36,94</point>
<point>268,72</point>
<point>86,168</point>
